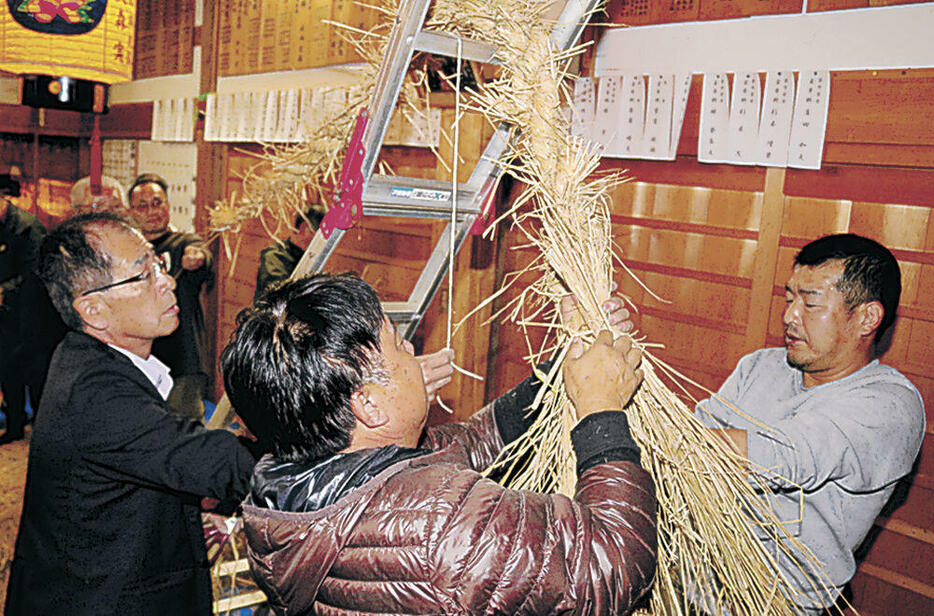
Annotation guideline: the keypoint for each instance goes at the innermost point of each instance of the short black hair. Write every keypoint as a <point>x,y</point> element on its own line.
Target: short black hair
<point>148,178</point>
<point>71,260</point>
<point>313,215</point>
<point>870,272</point>
<point>296,358</point>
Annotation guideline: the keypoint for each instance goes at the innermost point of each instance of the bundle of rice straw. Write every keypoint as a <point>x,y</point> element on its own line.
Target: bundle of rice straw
<point>708,550</point>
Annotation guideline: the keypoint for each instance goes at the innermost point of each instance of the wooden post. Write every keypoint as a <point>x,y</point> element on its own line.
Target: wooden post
<point>209,183</point>
<point>763,279</point>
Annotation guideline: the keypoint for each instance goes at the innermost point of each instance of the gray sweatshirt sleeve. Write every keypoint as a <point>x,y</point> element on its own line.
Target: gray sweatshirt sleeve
<point>863,440</point>
<point>862,431</point>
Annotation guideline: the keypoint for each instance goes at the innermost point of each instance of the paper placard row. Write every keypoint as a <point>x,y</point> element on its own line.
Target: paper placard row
<point>741,122</point>
<point>631,117</point>
<point>291,116</point>
<point>778,126</point>
<point>173,120</point>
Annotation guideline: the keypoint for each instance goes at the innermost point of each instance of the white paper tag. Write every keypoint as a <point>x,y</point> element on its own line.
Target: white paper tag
<point>630,121</point>
<point>656,139</point>
<point>608,100</point>
<point>744,119</point>
<point>778,107</point>
<point>287,125</point>
<point>307,121</point>
<point>155,131</point>
<point>270,115</point>
<point>226,115</point>
<point>713,134</point>
<point>806,146</point>
<point>582,117</point>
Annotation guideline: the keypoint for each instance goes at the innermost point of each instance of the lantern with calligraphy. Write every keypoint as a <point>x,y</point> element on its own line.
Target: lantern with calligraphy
<point>83,39</point>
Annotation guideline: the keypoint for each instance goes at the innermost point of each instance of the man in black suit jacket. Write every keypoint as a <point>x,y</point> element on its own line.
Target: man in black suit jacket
<point>111,522</point>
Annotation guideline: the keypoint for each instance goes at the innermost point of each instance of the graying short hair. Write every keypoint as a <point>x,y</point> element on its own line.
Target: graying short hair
<point>83,199</point>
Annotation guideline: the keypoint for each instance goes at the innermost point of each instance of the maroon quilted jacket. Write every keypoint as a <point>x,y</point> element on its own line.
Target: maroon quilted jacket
<point>427,534</point>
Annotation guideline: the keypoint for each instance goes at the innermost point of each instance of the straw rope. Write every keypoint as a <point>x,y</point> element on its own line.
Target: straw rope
<point>708,550</point>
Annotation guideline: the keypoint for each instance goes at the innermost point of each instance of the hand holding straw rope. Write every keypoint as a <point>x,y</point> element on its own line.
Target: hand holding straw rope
<point>605,376</point>
<point>614,312</point>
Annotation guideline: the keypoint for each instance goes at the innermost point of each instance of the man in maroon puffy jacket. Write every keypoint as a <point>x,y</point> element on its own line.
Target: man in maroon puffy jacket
<point>360,509</point>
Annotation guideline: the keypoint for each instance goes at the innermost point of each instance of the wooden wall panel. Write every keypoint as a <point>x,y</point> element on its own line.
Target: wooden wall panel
<point>904,555</point>
<point>879,594</point>
<point>862,104</point>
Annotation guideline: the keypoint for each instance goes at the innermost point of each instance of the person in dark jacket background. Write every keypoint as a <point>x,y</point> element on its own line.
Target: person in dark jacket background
<point>359,509</point>
<point>111,521</point>
<point>20,235</point>
<point>278,260</point>
<point>191,264</point>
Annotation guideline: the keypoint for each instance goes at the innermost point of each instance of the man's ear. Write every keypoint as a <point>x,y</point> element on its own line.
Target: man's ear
<point>870,317</point>
<point>366,410</point>
<point>92,311</point>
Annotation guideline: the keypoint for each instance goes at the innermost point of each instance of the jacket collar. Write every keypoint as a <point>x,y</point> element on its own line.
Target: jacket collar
<point>304,487</point>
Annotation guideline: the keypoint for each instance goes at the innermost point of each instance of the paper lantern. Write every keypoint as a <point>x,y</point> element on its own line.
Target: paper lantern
<point>83,39</point>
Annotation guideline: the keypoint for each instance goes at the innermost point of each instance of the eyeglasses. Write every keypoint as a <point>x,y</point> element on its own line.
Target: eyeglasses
<point>161,263</point>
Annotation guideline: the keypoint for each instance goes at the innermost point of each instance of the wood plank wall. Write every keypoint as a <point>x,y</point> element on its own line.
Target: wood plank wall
<point>717,242</point>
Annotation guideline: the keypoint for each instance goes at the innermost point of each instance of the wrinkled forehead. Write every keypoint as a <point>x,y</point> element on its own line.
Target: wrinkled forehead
<point>147,190</point>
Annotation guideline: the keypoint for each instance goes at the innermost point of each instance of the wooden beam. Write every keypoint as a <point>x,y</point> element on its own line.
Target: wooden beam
<point>897,579</point>
<point>770,227</point>
<point>125,121</point>
<point>683,227</point>
<point>905,186</point>
<point>908,530</point>
<point>686,171</point>
<point>209,182</point>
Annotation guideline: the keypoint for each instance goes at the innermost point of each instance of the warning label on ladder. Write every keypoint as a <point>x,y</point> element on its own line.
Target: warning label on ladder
<point>421,194</point>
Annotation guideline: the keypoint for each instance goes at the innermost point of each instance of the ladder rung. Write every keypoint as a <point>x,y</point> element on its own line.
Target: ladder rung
<point>389,195</point>
<point>401,312</point>
<point>446,45</point>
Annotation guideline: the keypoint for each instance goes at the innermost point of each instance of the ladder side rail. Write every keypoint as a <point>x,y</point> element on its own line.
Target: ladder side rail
<point>398,56</point>
<point>488,165</point>
<point>318,251</point>
<point>481,182</point>
<point>389,79</point>
<point>571,22</point>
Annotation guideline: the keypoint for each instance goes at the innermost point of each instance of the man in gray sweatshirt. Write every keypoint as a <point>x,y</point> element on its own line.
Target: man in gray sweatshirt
<point>829,428</point>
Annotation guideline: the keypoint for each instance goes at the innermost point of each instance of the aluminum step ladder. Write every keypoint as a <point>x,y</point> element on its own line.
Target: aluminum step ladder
<point>361,192</point>
<point>387,195</point>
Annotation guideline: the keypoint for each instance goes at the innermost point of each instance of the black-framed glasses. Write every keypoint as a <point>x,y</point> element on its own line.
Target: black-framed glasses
<point>161,262</point>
